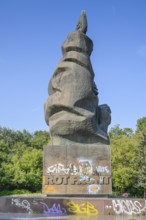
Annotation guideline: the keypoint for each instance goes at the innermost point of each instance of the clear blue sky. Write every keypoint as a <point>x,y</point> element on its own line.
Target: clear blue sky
<point>31,35</point>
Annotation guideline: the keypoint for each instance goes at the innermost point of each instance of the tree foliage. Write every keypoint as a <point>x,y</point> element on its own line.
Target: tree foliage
<point>123,151</point>
<point>128,153</point>
<point>21,159</point>
<point>141,155</point>
<point>21,156</point>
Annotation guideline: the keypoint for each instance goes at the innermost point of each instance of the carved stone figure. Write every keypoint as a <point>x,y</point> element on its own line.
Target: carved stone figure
<point>104,117</point>
<point>82,23</point>
<point>71,110</point>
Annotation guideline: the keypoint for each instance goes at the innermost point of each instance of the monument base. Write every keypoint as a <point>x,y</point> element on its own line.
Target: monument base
<point>41,207</point>
<point>77,170</point>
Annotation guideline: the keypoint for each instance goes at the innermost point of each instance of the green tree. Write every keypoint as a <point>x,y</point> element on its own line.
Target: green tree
<point>26,171</point>
<point>141,155</point>
<point>4,150</point>
<point>123,154</point>
<point>21,159</point>
<point>40,139</point>
<point>141,125</point>
<point>117,132</point>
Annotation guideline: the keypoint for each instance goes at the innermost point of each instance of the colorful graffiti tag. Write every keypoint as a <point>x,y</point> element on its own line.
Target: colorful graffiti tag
<point>94,188</point>
<point>56,209</point>
<point>59,168</point>
<point>102,169</point>
<point>84,208</point>
<point>128,207</point>
<point>83,172</point>
<point>82,168</point>
<point>24,204</point>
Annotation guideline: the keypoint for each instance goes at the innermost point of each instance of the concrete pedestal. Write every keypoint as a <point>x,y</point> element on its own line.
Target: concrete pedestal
<point>73,170</point>
<point>41,207</point>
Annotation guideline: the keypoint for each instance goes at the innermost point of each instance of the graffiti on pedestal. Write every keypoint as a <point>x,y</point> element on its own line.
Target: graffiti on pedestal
<point>82,168</point>
<point>126,206</point>
<point>59,168</point>
<point>24,204</point>
<point>102,169</point>
<point>83,208</point>
<point>55,209</point>
<point>83,172</point>
<point>94,188</point>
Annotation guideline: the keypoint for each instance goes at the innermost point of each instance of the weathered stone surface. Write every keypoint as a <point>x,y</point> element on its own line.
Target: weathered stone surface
<point>78,160</point>
<point>73,170</point>
<point>32,207</point>
<point>72,109</point>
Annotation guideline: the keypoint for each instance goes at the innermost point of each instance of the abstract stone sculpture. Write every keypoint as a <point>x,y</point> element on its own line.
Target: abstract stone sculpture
<point>71,110</point>
<point>77,161</point>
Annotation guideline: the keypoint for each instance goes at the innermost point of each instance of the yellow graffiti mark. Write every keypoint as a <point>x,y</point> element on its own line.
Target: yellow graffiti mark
<point>82,217</point>
<point>91,210</point>
<point>84,208</point>
<point>43,179</point>
<point>49,189</point>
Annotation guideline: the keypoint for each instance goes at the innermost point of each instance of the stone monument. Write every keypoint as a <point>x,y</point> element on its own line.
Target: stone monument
<point>77,161</point>
<point>77,165</point>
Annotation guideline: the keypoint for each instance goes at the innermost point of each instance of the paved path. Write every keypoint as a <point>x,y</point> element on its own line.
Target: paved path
<point>13,216</point>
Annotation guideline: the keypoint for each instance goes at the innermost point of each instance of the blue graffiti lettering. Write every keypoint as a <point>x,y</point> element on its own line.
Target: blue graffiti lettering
<point>54,210</point>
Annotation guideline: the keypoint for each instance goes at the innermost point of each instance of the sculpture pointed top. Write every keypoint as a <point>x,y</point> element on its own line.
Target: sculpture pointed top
<point>82,23</point>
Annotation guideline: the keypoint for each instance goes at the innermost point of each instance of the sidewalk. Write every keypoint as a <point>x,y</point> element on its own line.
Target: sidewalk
<point>13,216</point>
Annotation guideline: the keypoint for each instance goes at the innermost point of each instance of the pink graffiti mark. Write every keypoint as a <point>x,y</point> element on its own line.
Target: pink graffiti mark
<point>54,210</point>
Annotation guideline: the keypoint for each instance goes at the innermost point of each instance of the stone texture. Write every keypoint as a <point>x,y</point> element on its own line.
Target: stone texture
<point>78,160</point>
<point>32,207</point>
<point>72,110</point>
<point>73,170</point>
